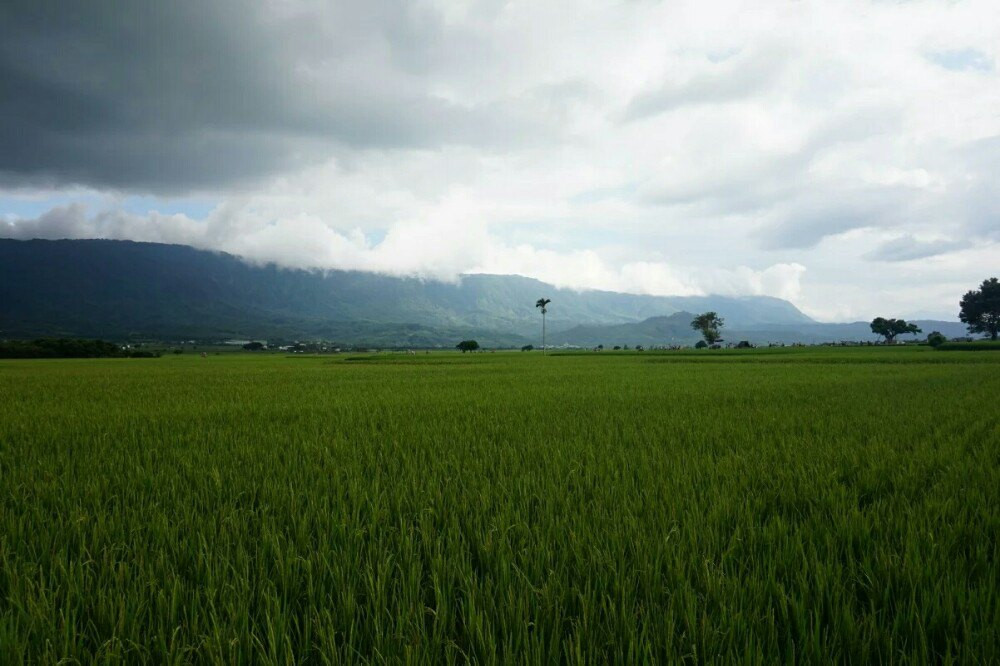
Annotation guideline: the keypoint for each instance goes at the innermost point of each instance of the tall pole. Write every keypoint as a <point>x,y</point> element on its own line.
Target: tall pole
<point>543,329</point>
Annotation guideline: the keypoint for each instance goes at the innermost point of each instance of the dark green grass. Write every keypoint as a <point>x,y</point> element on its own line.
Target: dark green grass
<point>977,345</point>
<point>802,506</point>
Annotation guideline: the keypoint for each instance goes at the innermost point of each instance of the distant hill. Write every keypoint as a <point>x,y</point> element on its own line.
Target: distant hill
<point>676,330</point>
<point>124,289</point>
<point>673,329</point>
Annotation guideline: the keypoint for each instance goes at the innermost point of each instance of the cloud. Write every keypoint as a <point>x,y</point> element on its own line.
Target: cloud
<point>731,79</point>
<point>782,280</point>
<point>442,249</point>
<point>72,221</point>
<point>908,248</point>
<point>812,150</point>
<point>806,220</point>
<point>192,95</point>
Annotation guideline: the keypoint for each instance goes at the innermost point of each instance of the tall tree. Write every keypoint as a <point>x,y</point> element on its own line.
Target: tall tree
<point>981,309</point>
<point>890,328</point>
<point>543,304</point>
<point>709,324</point>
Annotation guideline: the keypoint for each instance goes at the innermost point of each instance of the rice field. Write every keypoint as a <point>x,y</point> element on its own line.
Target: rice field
<point>762,506</point>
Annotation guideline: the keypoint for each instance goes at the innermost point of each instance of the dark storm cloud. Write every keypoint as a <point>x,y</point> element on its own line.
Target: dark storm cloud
<point>174,95</point>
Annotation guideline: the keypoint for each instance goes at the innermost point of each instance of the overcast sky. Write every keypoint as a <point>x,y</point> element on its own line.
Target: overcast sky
<point>843,155</point>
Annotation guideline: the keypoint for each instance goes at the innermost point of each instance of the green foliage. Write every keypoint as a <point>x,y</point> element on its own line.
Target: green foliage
<point>936,339</point>
<point>467,345</point>
<point>980,309</point>
<point>890,328</point>
<point>709,324</point>
<point>253,346</point>
<point>767,506</point>
<point>528,348</point>
<point>701,344</point>
<point>62,348</point>
<point>977,345</point>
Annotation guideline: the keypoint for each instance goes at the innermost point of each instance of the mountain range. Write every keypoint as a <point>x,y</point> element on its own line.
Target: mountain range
<point>131,290</point>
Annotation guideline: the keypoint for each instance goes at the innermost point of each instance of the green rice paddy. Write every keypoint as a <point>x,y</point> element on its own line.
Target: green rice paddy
<point>792,506</point>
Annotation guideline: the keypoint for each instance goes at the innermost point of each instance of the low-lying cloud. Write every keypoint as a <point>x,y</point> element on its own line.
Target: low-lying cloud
<point>435,251</point>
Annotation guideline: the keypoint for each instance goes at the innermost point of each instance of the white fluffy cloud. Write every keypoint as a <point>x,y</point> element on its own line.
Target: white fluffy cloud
<point>840,155</point>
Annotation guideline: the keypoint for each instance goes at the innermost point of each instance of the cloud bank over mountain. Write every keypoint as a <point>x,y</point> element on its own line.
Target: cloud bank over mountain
<point>841,155</point>
<point>263,241</point>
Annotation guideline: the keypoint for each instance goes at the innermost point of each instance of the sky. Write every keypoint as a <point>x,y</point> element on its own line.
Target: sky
<point>842,155</point>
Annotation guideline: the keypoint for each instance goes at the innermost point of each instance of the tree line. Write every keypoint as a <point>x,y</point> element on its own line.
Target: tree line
<point>68,348</point>
<point>979,310</point>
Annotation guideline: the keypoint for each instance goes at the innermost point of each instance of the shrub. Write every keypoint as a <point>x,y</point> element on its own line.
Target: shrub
<point>59,348</point>
<point>936,339</point>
